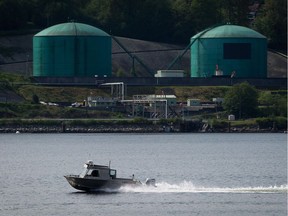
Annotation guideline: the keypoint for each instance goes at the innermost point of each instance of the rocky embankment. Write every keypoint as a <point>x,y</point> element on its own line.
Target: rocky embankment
<point>131,128</point>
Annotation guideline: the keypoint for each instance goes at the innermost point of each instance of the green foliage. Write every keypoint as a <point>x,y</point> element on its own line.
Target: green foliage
<point>234,11</point>
<point>141,121</point>
<point>139,18</point>
<point>241,100</point>
<point>53,94</point>
<point>28,111</point>
<point>9,78</point>
<point>191,17</point>
<point>29,122</point>
<point>218,124</point>
<point>135,90</point>
<point>272,22</point>
<point>155,20</point>
<point>200,92</point>
<point>12,14</point>
<point>279,122</point>
<point>273,104</point>
<point>244,123</point>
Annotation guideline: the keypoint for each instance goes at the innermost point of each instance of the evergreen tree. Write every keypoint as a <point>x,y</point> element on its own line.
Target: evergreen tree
<point>13,16</point>
<point>241,100</point>
<point>234,12</point>
<point>154,20</point>
<point>272,22</point>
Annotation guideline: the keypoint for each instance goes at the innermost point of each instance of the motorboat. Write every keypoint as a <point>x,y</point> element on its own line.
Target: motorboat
<point>101,177</point>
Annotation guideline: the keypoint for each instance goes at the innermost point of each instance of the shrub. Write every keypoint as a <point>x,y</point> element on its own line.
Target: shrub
<point>140,121</point>
<point>241,100</point>
<point>279,122</point>
<point>218,124</point>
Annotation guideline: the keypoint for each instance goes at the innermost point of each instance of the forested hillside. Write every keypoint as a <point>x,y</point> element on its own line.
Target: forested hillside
<point>155,20</point>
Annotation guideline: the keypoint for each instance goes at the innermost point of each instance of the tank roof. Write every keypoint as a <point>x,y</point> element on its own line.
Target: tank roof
<point>72,29</point>
<point>229,31</point>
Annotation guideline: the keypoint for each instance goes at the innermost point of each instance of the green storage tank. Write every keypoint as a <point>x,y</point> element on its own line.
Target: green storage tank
<point>229,49</point>
<point>72,50</point>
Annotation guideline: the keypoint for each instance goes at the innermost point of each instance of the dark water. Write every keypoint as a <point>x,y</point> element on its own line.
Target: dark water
<point>197,174</point>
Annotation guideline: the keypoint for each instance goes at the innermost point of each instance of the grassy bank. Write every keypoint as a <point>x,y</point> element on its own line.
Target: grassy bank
<point>29,112</point>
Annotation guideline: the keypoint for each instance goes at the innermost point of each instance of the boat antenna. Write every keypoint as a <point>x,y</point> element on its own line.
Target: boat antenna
<point>109,163</point>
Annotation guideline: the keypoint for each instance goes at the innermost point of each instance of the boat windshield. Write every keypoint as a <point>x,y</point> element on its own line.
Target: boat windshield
<point>83,173</point>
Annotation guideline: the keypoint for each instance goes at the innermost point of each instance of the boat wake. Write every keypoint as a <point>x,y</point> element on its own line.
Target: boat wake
<point>189,187</point>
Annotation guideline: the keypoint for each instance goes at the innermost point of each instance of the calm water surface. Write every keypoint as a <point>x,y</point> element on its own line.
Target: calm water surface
<point>197,174</point>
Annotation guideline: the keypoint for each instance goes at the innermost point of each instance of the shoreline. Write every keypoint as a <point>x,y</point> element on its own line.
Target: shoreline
<point>130,128</point>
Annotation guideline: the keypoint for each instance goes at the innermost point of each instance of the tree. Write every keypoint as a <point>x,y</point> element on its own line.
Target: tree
<point>156,17</point>
<point>146,19</point>
<point>272,22</point>
<point>200,9</point>
<point>193,16</point>
<point>234,12</point>
<point>47,13</point>
<point>273,104</point>
<point>12,14</point>
<point>241,100</point>
<point>183,26</point>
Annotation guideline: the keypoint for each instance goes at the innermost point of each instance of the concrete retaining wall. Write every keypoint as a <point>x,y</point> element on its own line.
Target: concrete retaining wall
<point>280,83</point>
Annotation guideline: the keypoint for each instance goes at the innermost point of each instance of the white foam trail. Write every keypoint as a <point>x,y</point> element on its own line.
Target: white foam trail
<point>189,187</point>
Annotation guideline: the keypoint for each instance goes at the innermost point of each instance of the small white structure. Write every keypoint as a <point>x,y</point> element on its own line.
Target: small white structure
<point>231,117</point>
<point>218,73</point>
<point>218,100</point>
<point>170,73</point>
<point>171,99</point>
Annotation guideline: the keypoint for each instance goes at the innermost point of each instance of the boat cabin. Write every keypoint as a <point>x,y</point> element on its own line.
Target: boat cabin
<point>98,171</point>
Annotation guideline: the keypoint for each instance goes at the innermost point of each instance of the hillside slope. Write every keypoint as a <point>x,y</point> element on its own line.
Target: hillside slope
<point>16,54</point>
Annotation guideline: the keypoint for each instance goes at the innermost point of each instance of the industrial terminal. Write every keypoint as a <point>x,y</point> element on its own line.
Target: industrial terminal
<point>77,54</point>
<point>80,54</point>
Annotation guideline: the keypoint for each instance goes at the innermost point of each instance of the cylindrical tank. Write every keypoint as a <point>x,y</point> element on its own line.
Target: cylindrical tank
<point>72,50</point>
<point>229,50</point>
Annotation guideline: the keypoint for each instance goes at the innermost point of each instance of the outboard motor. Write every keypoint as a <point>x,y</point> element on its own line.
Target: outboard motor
<point>150,182</point>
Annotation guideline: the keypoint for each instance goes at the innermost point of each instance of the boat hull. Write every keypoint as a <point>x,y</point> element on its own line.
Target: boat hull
<point>94,184</point>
